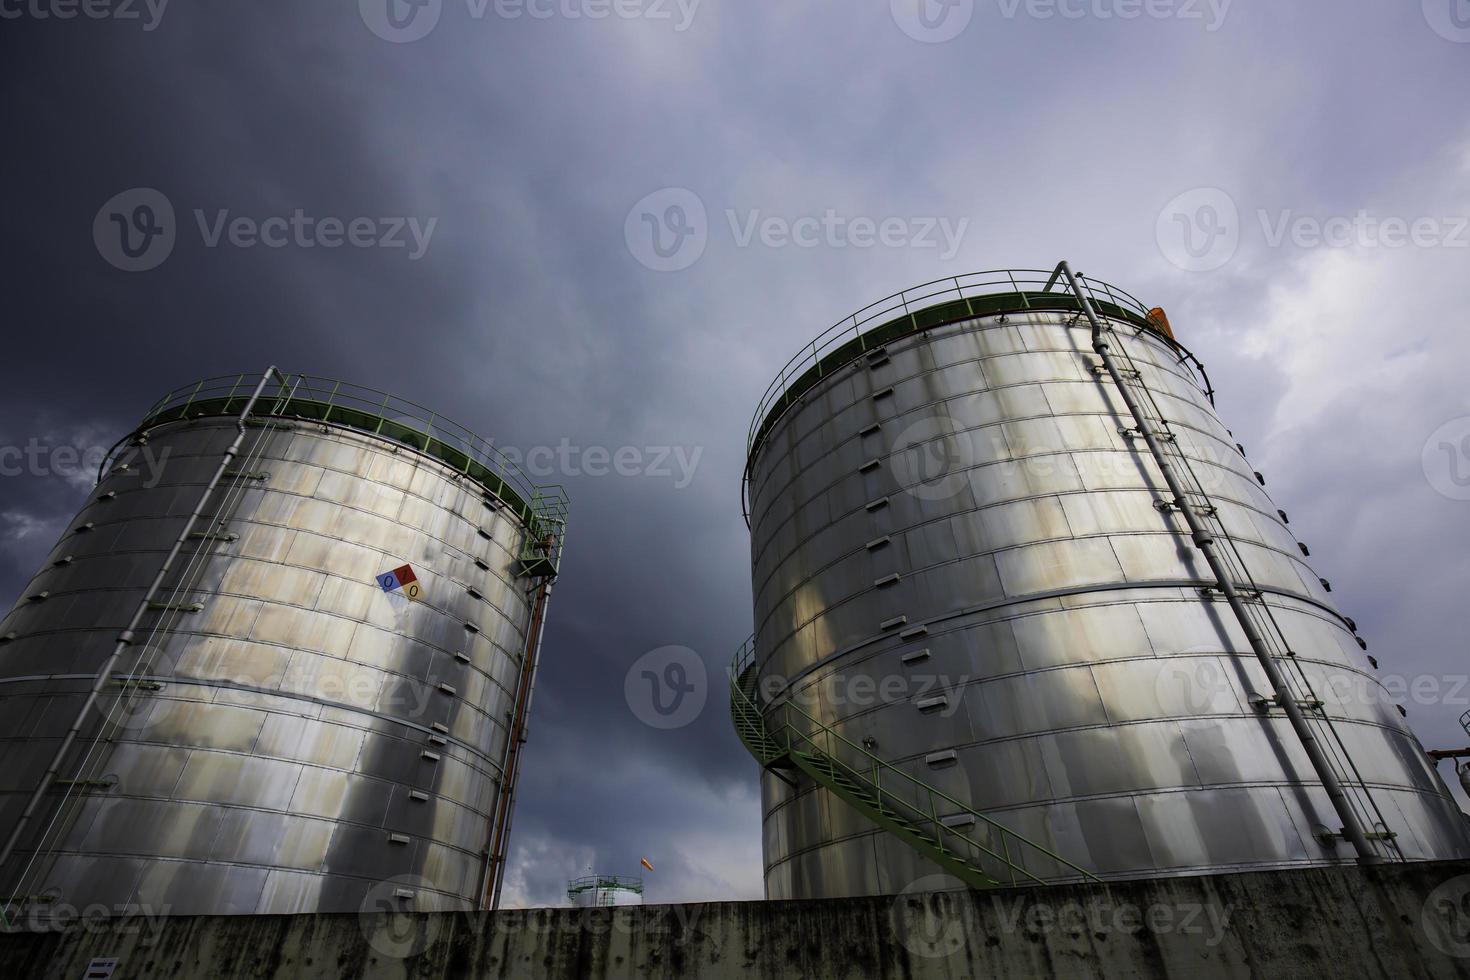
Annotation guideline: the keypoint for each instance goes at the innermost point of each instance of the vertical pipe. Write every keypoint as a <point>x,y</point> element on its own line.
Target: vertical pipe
<point>505,801</point>
<point>1204,540</point>
<point>125,639</point>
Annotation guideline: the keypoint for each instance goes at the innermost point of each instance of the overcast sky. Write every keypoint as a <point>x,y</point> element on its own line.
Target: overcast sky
<point>1232,162</point>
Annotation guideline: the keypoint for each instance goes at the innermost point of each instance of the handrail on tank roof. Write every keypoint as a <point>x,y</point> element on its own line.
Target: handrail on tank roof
<point>906,303</point>
<point>378,413</point>
<point>927,305</point>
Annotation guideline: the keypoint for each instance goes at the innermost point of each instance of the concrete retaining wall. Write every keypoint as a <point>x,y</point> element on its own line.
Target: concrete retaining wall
<point>1396,921</point>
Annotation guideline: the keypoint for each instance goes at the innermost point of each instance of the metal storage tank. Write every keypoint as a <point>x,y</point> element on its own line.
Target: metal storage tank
<point>336,600</point>
<point>604,891</point>
<point>1025,613</point>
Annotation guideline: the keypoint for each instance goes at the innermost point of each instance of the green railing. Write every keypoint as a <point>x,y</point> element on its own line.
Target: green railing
<point>626,883</point>
<point>919,805</point>
<point>542,509</point>
<point>926,305</point>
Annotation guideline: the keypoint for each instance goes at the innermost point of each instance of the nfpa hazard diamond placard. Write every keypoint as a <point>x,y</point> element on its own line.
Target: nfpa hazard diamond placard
<point>401,580</point>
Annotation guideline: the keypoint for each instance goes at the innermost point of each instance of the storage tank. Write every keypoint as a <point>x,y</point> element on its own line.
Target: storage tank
<point>1024,612</point>
<point>603,891</point>
<point>310,613</point>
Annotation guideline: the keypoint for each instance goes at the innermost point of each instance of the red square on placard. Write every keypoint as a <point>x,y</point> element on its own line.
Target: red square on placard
<point>405,575</point>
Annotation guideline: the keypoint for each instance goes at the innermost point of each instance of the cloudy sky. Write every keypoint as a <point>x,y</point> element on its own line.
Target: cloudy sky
<point>587,225</point>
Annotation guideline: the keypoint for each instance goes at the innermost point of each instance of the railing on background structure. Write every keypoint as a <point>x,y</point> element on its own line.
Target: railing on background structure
<point>543,509</point>
<point>626,883</point>
<point>893,798</point>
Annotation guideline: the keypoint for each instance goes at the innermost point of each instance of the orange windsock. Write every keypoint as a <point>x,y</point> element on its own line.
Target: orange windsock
<point>1159,320</point>
<point>644,862</point>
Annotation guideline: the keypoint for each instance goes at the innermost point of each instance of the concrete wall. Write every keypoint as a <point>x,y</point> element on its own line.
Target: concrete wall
<point>1396,921</point>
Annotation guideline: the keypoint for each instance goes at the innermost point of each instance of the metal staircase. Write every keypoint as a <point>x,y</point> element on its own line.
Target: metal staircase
<point>984,854</point>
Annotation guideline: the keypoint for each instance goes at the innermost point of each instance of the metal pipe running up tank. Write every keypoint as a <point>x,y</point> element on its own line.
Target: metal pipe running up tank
<point>1204,540</point>
<point>125,639</point>
<point>510,771</point>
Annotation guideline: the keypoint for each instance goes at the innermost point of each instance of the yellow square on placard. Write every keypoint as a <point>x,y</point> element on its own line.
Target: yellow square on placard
<point>413,590</point>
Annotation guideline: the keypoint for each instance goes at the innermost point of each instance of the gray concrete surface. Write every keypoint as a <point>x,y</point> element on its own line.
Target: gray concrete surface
<point>1394,921</point>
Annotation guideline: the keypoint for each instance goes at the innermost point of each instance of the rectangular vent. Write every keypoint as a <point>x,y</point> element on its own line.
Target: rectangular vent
<point>439,726</point>
<point>876,504</point>
<point>870,429</point>
<point>945,758</point>
<point>877,352</point>
<point>429,756</point>
<point>447,689</point>
<point>213,536</point>
<point>482,564</point>
<point>67,560</point>
<point>39,596</point>
<point>892,578</point>
<point>471,627</point>
<point>869,466</point>
<point>474,593</point>
<point>490,502</point>
<point>418,796</point>
<point>438,740</point>
<point>877,543</point>
<point>883,393</point>
<point>933,703</point>
<point>889,624</point>
<point>403,893</point>
<point>462,657</point>
<point>398,838</point>
<point>483,533</point>
<point>83,529</point>
<point>914,631</point>
<point>916,656</point>
<point>109,495</point>
<point>958,820</point>
<point>176,606</point>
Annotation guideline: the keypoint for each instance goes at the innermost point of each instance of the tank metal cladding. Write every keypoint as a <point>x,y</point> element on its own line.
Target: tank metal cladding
<point>280,662</point>
<point>1025,612</point>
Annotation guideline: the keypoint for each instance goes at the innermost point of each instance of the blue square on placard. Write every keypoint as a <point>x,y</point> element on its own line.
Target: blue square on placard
<point>388,581</point>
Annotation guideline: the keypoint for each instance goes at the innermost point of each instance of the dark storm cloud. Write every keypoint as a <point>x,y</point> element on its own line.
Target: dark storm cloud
<point>527,317</point>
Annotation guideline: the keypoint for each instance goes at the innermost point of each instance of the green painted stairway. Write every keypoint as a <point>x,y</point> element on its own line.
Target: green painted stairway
<point>983,855</point>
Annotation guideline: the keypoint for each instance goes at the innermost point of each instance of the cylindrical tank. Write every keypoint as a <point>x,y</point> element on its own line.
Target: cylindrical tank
<point>316,702</point>
<point>966,562</point>
<point>602,891</point>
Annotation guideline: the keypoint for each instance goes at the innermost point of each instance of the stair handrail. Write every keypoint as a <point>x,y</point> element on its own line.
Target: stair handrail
<point>744,662</point>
